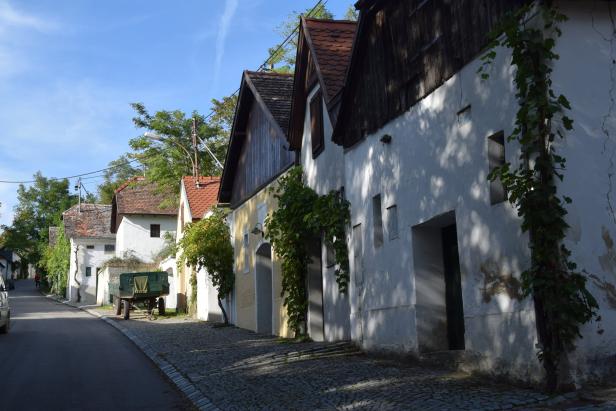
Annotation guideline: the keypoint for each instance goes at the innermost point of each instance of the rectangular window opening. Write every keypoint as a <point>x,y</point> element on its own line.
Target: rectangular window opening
<point>155,230</point>
<point>377,220</point>
<point>392,222</point>
<point>88,271</point>
<point>109,248</point>
<point>90,247</point>
<point>496,158</point>
<point>316,124</point>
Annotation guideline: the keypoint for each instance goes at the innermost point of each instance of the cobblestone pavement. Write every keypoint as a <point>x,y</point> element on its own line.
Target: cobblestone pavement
<point>240,370</point>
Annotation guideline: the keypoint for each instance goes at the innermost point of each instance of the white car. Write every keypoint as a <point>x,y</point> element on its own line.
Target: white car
<point>5,310</point>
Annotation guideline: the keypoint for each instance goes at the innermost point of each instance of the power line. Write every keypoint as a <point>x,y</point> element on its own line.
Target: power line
<point>207,117</point>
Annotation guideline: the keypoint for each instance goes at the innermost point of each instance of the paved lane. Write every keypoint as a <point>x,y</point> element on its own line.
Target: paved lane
<point>59,358</point>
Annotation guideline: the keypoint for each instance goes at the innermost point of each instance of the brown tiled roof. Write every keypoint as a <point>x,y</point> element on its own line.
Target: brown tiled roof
<point>275,89</point>
<point>138,196</point>
<point>332,42</point>
<point>87,221</point>
<point>202,198</point>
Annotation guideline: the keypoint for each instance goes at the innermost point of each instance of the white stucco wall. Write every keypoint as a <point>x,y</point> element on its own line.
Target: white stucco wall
<point>438,163</point>
<point>133,235</point>
<point>324,174</point>
<point>170,266</point>
<point>93,258</point>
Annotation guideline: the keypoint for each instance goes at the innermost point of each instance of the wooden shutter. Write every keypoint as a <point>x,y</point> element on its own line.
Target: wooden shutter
<point>316,124</point>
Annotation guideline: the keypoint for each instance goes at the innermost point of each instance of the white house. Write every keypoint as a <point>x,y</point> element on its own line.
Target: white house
<point>197,197</point>
<point>8,261</point>
<point>142,219</point>
<point>323,55</point>
<point>92,243</point>
<point>436,253</point>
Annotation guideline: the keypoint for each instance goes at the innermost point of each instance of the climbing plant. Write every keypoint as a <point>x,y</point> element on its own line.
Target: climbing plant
<point>562,302</point>
<point>56,260</point>
<point>207,244</point>
<point>302,216</point>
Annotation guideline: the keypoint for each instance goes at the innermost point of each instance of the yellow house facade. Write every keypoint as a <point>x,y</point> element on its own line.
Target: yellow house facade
<point>258,154</point>
<point>258,281</point>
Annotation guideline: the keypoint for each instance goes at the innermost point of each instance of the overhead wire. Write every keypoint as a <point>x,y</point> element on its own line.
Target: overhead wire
<point>207,117</point>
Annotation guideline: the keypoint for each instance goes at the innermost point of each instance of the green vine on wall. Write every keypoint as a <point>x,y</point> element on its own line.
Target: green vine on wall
<point>301,217</point>
<point>56,260</point>
<point>562,302</point>
<point>207,244</point>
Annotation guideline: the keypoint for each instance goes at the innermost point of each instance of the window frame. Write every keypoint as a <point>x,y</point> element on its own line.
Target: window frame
<point>88,272</point>
<point>109,248</point>
<point>316,123</point>
<point>378,237</point>
<point>152,231</point>
<point>497,191</point>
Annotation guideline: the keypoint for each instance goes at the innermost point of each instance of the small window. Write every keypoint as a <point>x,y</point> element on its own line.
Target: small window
<point>358,250</point>
<point>316,124</point>
<point>377,220</point>
<point>496,158</point>
<point>90,247</point>
<point>392,222</point>
<point>155,230</point>
<point>88,271</point>
<point>109,248</point>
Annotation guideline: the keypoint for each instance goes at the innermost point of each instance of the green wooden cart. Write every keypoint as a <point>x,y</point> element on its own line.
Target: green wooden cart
<point>147,289</point>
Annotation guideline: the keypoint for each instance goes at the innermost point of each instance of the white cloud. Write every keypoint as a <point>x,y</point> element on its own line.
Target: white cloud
<point>223,30</point>
<point>11,17</point>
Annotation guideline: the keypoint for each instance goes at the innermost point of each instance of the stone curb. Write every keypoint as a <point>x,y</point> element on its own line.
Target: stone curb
<point>190,390</point>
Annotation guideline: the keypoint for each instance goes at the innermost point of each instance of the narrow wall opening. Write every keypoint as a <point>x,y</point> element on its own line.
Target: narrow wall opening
<point>439,305</point>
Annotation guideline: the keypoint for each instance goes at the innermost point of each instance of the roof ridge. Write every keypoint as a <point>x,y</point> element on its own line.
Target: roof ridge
<point>269,73</point>
<point>127,182</point>
<point>331,20</point>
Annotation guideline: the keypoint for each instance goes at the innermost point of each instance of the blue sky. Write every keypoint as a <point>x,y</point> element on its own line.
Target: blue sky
<point>70,68</point>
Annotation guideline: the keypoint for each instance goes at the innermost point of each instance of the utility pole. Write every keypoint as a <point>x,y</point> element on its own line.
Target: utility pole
<point>78,188</point>
<point>196,150</point>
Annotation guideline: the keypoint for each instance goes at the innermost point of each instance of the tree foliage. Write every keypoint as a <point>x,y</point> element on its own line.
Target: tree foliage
<point>39,206</point>
<point>562,302</point>
<point>302,216</point>
<point>282,56</point>
<point>169,156</point>
<point>118,172</point>
<point>207,244</point>
<point>56,261</point>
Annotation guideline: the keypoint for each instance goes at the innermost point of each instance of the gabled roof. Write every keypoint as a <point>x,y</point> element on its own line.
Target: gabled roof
<point>91,222</point>
<point>202,198</point>
<point>330,43</point>
<point>270,90</point>
<point>138,196</point>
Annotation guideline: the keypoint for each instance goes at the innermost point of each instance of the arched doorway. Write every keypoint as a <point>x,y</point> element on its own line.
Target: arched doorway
<point>263,280</point>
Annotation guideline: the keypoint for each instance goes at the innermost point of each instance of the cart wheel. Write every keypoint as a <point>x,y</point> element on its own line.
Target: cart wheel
<point>118,305</point>
<point>126,309</point>
<point>161,306</point>
<point>151,305</point>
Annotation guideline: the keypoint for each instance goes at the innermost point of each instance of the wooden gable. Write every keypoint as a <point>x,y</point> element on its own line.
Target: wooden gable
<point>258,149</point>
<point>406,49</point>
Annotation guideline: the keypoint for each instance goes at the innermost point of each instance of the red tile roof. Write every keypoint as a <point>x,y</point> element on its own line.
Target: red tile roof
<point>138,196</point>
<point>201,199</point>
<point>332,41</point>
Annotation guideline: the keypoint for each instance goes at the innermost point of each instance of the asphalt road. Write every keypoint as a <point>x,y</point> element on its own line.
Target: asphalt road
<point>59,358</point>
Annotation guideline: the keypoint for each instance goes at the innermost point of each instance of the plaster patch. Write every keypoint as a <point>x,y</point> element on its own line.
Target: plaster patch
<point>608,260</point>
<point>608,288</point>
<point>495,282</point>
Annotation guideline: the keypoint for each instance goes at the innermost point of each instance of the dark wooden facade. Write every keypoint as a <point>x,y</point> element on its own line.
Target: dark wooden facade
<point>263,156</point>
<point>406,49</point>
<point>258,149</point>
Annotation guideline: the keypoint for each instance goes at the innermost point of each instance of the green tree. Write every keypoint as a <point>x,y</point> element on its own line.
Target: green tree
<point>351,13</point>
<point>207,244</point>
<point>282,58</point>
<point>169,155</point>
<point>120,170</point>
<point>223,112</point>
<point>39,206</point>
